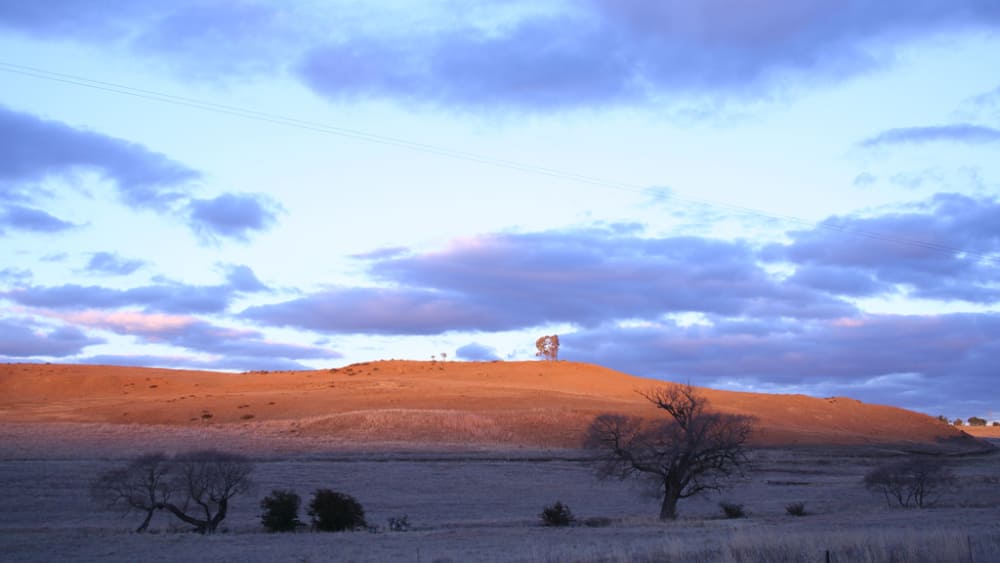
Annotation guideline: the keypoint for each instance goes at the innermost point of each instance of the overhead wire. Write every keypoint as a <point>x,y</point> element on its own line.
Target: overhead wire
<point>246,113</point>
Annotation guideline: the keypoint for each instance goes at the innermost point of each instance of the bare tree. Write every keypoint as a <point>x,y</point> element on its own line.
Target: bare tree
<point>142,485</point>
<point>690,452</point>
<point>548,347</point>
<point>208,479</point>
<point>195,487</point>
<point>919,481</point>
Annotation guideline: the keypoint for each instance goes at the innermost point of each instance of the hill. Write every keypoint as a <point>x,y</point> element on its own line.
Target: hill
<point>408,403</point>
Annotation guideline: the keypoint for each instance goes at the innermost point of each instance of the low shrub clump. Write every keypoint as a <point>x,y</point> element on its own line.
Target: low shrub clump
<point>796,509</point>
<point>332,511</point>
<point>732,510</point>
<point>399,523</point>
<point>280,511</point>
<point>557,514</point>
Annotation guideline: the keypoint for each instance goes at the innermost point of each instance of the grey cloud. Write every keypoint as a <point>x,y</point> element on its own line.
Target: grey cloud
<point>476,352</point>
<point>928,357</point>
<point>109,263</point>
<point>203,39</point>
<point>202,336</point>
<point>233,216</point>
<point>585,277</point>
<point>33,149</point>
<point>223,363</point>
<point>938,249</point>
<point>960,133</point>
<point>614,51</point>
<point>22,338</point>
<point>167,297</point>
<point>30,219</point>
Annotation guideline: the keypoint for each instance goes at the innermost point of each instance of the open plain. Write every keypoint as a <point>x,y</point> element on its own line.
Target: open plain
<point>470,453</point>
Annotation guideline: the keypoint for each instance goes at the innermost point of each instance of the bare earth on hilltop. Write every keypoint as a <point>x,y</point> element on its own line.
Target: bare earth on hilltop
<point>498,405</point>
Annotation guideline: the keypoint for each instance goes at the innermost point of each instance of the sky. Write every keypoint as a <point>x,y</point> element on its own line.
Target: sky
<point>783,196</point>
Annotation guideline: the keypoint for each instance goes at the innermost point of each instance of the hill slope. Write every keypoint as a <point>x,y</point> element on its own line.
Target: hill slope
<point>509,404</point>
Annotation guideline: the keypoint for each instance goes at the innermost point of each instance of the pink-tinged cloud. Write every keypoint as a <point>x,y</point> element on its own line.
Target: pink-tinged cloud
<point>134,322</point>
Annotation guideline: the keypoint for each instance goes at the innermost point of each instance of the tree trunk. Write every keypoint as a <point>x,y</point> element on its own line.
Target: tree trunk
<point>668,510</point>
<point>145,523</point>
<point>201,526</point>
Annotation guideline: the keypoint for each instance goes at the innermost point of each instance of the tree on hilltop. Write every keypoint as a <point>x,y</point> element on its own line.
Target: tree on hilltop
<point>548,347</point>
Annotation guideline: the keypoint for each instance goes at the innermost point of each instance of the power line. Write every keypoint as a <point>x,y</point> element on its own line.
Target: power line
<point>356,134</point>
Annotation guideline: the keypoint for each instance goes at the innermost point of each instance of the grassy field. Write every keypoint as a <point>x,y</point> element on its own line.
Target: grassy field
<point>484,506</point>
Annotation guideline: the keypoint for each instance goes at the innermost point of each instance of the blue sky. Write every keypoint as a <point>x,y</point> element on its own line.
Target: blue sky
<point>784,196</point>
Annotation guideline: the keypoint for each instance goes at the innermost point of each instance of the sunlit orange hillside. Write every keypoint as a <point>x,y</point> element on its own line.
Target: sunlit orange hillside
<point>531,404</point>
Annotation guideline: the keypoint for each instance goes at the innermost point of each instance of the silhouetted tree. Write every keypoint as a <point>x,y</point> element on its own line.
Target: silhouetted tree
<point>208,479</point>
<point>976,421</point>
<point>548,347</point>
<point>958,422</point>
<point>142,485</point>
<point>689,452</point>
<point>195,487</point>
<point>916,481</point>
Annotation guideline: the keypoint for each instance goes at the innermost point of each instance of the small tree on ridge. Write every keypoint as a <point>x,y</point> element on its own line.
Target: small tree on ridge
<point>548,347</point>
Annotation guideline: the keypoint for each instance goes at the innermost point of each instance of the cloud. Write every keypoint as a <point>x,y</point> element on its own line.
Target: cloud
<point>233,216</point>
<point>580,276</point>
<point>167,297</point>
<point>207,40</point>
<point>22,338</point>
<point>940,249</point>
<point>33,150</point>
<point>940,355</point>
<point>109,263</point>
<point>960,133</point>
<point>191,334</point>
<point>30,219</point>
<point>622,51</point>
<point>188,362</point>
<point>242,278</point>
<point>476,352</point>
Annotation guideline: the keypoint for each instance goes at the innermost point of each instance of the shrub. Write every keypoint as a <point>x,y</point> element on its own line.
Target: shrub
<point>976,421</point>
<point>916,481</point>
<point>399,523</point>
<point>557,514</point>
<point>335,512</point>
<point>796,509</point>
<point>281,511</point>
<point>958,422</point>
<point>732,510</point>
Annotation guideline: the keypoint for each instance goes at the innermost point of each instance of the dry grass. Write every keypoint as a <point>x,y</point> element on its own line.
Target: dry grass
<point>478,506</point>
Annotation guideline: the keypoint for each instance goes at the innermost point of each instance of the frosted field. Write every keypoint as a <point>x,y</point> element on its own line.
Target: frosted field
<point>483,506</point>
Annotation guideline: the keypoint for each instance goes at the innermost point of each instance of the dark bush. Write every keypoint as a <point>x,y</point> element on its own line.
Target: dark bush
<point>976,421</point>
<point>281,511</point>
<point>557,514</point>
<point>796,509</point>
<point>335,512</point>
<point>916,481</point>
<point>732,510</point>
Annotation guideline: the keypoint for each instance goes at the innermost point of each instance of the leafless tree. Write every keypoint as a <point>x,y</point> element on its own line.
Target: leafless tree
<point>208,479</point>
<point>548,347</point>
<point>195,487</point>
<point>690,452</point>
<point>142,485</point>
<point>918,481</point>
